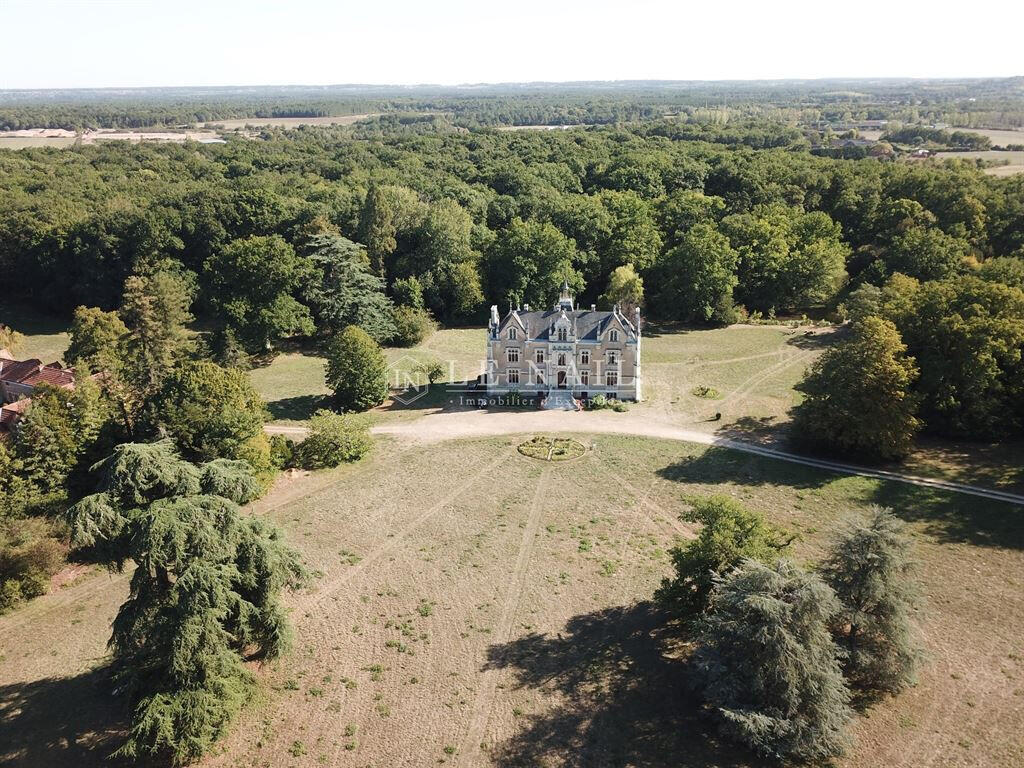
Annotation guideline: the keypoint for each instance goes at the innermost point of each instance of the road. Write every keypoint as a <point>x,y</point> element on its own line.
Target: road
<point>457,424</point>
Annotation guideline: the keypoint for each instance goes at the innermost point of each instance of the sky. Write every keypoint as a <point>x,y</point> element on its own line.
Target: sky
<point>138,43</point>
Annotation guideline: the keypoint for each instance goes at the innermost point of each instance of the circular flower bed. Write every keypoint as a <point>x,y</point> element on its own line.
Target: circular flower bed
<point>552,448</point>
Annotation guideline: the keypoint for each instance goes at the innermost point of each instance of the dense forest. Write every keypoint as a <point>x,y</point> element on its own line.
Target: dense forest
<point>304,231</point>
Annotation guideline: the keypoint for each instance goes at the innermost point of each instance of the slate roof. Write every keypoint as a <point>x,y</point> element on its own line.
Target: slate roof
<point>589,323</point>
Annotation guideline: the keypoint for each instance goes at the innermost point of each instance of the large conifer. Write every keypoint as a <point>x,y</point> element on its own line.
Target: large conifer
<point>769,667</point>
<point>205,591</point>
<point>871,571</point>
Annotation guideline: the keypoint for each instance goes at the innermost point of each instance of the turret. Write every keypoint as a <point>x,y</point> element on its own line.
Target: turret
<point>565,299</point>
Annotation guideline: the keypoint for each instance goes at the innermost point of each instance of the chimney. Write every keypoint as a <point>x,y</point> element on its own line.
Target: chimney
<point>593,307</point>
<point>526,307</point>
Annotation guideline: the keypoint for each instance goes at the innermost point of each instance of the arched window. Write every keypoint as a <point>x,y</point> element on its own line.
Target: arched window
<point>563,334</point>
<point>613,335</point>
<point>513,333</point>
<point>561,358</point>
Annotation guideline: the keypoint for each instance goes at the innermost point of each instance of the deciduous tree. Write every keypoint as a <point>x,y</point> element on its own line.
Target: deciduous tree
<point>859,396</point>
<point>356,370</point>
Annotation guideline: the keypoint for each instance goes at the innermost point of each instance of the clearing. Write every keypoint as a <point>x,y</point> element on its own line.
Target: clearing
<point>478,607</point>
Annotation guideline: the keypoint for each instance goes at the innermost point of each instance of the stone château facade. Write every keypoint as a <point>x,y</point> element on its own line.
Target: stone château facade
<point>579,351</point>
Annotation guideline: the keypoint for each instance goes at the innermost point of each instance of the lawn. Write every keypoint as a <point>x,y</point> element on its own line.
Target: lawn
<point>455,618</point>
<point>46,338</point>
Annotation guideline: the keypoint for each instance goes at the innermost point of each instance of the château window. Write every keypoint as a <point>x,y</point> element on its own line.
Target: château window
<point>585,357</point>
<point>540,378</point>
<point>611,379</point>
<point>513,375</point>
<point>540,357</point>
<point>513,334</point>
<point>584,378</point>
<point>613,335</point>
<point>613,357</point>
<point>513,355</point>
<point>561,358</point>
<point>563,334</point>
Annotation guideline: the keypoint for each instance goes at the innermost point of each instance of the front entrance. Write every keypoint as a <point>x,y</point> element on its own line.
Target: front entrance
<point>561,379</point>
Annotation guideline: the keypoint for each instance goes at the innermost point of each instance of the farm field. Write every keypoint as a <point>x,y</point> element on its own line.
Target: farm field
<point>287,122</point>
<point>1014,160</point>
<point>454,618</point>
<point>50,137</point>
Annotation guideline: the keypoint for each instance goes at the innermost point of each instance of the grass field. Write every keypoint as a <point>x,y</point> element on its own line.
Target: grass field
<point>45,338</point>
<point>479,607</point>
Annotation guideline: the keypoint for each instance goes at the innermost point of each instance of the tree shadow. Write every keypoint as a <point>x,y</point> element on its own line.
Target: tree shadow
<point>948,516</point>
<point>954,517</point>
<point>623,692</point>
<point>752,429</point>
<point>724,465</point>
<point>55,722</point>
<point>817,338</point>
<point>298,408</point>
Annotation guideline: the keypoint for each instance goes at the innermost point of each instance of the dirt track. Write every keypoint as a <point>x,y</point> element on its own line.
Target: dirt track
<point>458,424</point>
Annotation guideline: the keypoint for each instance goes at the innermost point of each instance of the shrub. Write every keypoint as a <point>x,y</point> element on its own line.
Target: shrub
<point>356,370</point>
<point>29,556</point>
<point>870,569</point>
<point>333,438</point>
<point>729,534</point>
<point>433,370</point>
<point>282,451</point>
<point>412,326</point>
<point>768,665</point>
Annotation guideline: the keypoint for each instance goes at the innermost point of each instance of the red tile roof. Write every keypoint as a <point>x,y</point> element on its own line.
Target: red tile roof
<point>33,372</point>
<point>17,370</point>
<point>58,378</point>
<point>11,412</point>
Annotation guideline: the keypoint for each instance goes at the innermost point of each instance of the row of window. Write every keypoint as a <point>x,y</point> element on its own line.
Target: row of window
<point>562,334</point>
<point>560,358</point>
<point>611,378</point>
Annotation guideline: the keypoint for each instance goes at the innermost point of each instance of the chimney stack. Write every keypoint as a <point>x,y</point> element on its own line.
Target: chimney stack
<point>593,307</point>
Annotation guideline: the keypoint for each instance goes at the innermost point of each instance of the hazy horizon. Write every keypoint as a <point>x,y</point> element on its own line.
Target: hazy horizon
<point>118,44</point>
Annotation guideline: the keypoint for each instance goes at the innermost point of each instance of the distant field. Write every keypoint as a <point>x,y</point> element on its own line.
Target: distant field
<point>22,142</point>
<point>1014,160</point>
<point>288,122</point>
<point>475,607</point>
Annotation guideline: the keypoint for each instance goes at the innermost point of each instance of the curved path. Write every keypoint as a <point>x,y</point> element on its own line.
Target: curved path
<point>452,425</point>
